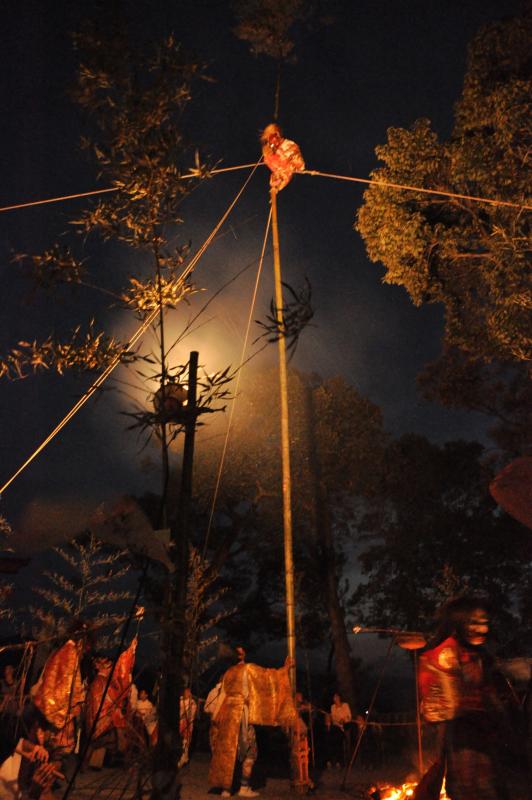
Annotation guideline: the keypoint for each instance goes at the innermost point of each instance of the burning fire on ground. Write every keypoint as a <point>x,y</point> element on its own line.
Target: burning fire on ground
<point>404,792</point>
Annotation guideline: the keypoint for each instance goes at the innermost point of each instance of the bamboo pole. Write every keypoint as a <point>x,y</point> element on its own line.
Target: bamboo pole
<point>285,451</point>
<point>301,782</point>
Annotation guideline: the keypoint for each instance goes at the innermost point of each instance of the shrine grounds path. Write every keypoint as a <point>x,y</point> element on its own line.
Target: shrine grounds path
<point>112,783</point>
<point>115,783</point>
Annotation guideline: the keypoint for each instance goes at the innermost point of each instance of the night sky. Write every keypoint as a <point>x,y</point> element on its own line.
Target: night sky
<point>380,63</point>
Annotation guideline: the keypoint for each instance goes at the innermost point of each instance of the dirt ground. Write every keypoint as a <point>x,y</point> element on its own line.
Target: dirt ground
<point>115,784</point>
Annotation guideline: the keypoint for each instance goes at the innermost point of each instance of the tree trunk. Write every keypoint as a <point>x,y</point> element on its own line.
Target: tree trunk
<point>327,564</point>
<point>335,611</point>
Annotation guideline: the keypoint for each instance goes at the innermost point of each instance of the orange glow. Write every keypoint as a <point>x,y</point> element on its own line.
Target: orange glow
<point>405,791</point>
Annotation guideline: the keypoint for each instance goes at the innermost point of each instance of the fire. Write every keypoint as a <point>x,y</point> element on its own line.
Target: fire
<point>397,793</point>
<point>403,792</point>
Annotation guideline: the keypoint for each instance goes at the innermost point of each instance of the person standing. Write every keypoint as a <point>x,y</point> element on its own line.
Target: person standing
<point>145,711</point>
<point>457,682</point>
<point>340,719</point>
<point>187,714</point>
<point>253,696</point>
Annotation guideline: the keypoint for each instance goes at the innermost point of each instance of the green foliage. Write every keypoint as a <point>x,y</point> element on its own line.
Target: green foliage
<point>88,352</point>
<point>436,532</point>
<point>87,583</point>
<point>502,391</point>
<point>203,614</point>
<point>5,527</point>
<point>55,266</point>
<point>470,257</point>
<point>136,99</point>
<point>169,409</point>
<point>295,315</point>
<point>138,107</point>
<point>326,416</point>
<point>267,25</point>
<point>337,441</point>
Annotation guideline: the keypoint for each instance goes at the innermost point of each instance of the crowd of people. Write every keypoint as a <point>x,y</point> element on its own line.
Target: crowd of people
<point>85,710</point>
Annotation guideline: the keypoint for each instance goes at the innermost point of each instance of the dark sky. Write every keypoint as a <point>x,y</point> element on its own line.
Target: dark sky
<point>380,63</point>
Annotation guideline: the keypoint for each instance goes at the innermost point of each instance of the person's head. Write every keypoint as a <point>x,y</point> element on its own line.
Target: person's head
<point>337,700</point>
<point>187,693</point>
<point>143,694</point>
<point>240,654</point>
<point>40,735</point>
<point>467,619</point>
<point>82,630</point>
<point>271,136</point>
<point>102,665</point>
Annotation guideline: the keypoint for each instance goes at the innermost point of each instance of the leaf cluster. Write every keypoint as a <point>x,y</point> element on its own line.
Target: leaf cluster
<point>57,265</point>
<point>471,258</point>
<point>141,144</point>
<point>436,532</point>
<point>203,615</point>
<point>267,25</point>
<point>170,405</point>
<point>146,296</point>
<point>88,351</point>
<point>90,577</point>
<point>337,440</point>
<point>289,322</point>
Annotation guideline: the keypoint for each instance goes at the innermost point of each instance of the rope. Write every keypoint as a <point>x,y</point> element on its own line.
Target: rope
<point>119,649</point>
<point>129,346</point>
<point>347,771</point>
<point>406,187</point>
<point>237,384</point>
<point>312,172</point>
<point>112,189</point>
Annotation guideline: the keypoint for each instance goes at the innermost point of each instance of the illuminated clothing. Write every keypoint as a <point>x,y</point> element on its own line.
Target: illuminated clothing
<point>457,692</point>
<point>115,707</point>
<point>253,696</point>
<point>187,715</point>
<point>340,714</point>
<point>60,693</point>
<point>283,161</point>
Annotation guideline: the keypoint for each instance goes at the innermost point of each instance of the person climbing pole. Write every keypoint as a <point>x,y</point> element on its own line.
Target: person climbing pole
<point>282,156</point>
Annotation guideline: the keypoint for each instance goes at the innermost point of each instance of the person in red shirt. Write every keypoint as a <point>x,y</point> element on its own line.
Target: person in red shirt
<point>282,156</point>
<point>457,682</point>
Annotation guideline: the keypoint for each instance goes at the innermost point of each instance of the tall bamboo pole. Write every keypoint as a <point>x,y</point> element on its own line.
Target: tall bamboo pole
<point>285,451</point>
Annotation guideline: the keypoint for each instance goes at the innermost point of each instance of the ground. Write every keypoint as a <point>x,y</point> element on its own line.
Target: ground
<point>110,784</point>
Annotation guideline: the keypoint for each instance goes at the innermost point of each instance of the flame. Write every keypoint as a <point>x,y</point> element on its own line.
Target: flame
<point>404,791</point>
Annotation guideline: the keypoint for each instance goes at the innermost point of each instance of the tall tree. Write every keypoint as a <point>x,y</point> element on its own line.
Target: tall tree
<point>136,96</point>
<point>437,532</point>
<point>470,257</point>
<point>337,442</point>
<point>268,27</point>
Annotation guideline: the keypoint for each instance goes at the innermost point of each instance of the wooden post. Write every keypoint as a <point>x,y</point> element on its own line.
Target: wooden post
<point>165,785</point>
